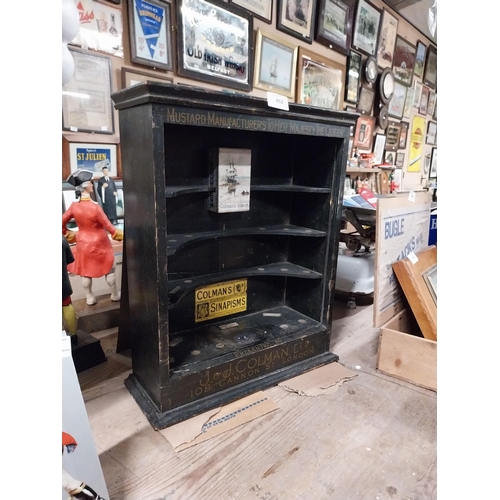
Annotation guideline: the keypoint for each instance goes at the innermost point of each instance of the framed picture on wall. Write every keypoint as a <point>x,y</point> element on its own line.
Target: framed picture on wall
<point>430,71</point>
<point>132,77</point>
<point>431,136</point>
<point>397,103</point>
<point>417,95</point>
<point>410,93</point>
<point>366,27</point>
<point>320,81</point>
<point>79,152</point>
<point>150,34</point>
<point>261,9</point>
<point>363,134</point>
<point>378,149</point>
<point>404,61</point>
<point>93,157</point>
<point>366,98</point>
<point>390,157</point>
<point>100,28</point>
<point>400,159</point>
<point>403,135</point>
<point>392,133</point>
<point>214,43</point>
<point>431,102</point>
<point>297,18</point>
<point>387,40</point>
<point>334,24</point>
<point>86,99</point>
<point>353,77</point>
<point>434,164</point>
<point>424,99</point>
<point>420,59</point>
<point>275,64</point>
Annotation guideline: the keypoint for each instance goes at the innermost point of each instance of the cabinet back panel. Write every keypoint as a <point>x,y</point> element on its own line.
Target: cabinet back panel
<point>189,213</point>
<point>276,158</point>
<point>219,255</point>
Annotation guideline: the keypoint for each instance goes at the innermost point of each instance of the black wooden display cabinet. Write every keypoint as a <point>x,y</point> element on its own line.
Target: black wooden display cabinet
<point>285,246</point>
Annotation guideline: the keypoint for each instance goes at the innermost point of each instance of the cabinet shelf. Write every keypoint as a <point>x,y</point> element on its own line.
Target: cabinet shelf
<point>174,191</point>
<point>221,340</point>
<point>289,188</point>
<point>176,241</point>
<point>179,288</point>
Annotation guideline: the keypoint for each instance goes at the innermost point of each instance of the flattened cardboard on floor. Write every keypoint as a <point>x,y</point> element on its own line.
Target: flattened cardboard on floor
<point>323,380</point>
<point>214,422</point>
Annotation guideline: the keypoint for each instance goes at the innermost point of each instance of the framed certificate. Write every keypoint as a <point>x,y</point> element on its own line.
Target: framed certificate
<point>86,99</point>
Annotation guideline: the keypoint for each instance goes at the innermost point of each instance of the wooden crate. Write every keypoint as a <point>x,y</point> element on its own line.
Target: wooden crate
<point>405,355</point>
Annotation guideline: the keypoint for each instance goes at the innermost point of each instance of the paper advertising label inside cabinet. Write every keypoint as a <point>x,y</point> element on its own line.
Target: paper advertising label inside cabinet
<point>220,299</point>
<point>230,175</point>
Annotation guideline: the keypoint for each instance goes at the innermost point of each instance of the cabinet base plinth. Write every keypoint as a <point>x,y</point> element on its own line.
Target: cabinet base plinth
<point>160,420</point>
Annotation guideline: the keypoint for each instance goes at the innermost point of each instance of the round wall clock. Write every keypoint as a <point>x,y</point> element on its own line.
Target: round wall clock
<point>383,117</point>
<point>371,70</point>
<point>386,85</point>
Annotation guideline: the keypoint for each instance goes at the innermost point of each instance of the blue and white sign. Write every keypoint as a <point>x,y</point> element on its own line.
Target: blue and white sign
<point>151,42</point>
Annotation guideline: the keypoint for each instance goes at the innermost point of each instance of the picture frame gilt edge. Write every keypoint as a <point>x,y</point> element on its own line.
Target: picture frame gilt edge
<point>259,35</point>
<point>322,60</point>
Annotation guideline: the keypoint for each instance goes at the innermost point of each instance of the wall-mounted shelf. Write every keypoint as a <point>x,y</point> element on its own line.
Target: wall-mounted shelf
<point>361,170</point>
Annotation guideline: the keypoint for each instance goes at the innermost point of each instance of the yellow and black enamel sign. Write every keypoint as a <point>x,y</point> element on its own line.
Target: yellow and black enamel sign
<point>220,299</point>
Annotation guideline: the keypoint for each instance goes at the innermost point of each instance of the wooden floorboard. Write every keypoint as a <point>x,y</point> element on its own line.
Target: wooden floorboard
<point>373,438</point>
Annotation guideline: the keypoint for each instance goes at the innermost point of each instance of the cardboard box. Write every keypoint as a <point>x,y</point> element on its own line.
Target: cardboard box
<point>405,355</point>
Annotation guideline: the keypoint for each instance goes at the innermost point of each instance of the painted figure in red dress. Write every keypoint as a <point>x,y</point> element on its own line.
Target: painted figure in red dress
<point>94,256</point>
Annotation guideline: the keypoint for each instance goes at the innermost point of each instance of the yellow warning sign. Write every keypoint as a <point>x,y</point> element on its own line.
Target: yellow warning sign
<point>220,299</point>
